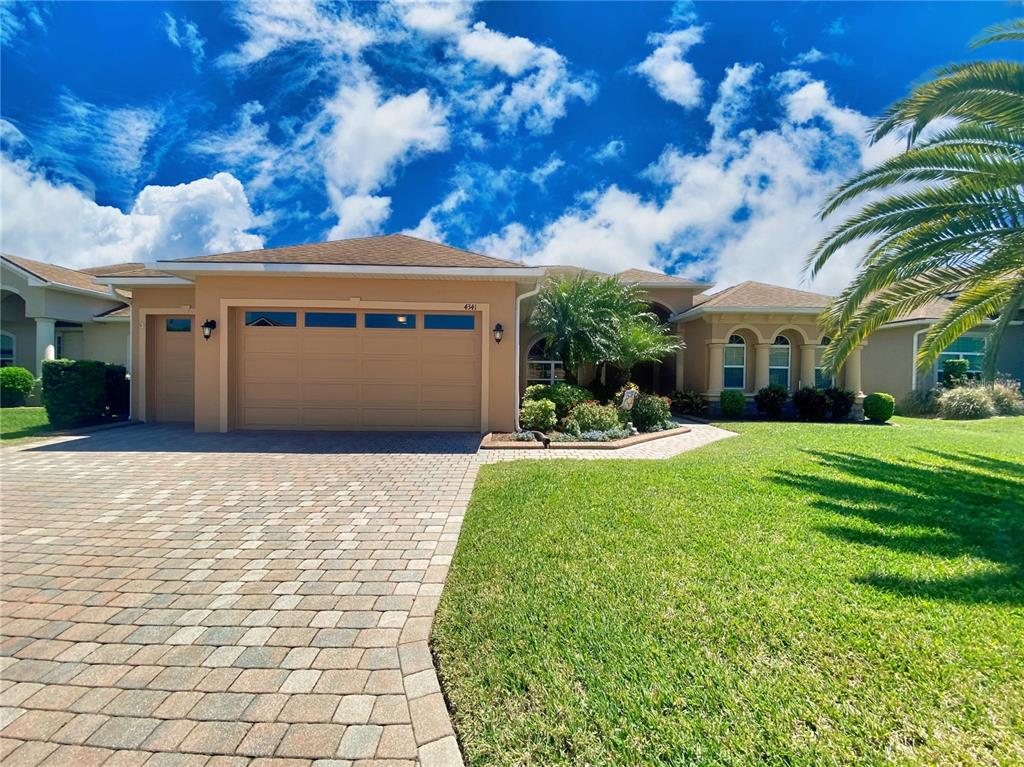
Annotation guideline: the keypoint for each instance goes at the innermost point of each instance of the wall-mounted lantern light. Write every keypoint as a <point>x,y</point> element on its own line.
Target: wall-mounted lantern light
<point>499,331</point>
<point>208,327</point>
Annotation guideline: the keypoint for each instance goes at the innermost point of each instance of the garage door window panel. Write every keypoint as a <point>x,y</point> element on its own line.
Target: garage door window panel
<point>262,319</point>
<point>390,321</point>
<point>330,319</point>
<point>449,322</point>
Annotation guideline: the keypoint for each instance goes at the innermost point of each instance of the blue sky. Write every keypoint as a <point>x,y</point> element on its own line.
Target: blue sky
<point>694,138</point>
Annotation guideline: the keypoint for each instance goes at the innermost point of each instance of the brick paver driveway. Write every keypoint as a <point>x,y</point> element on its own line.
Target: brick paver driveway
<point>180,599</point>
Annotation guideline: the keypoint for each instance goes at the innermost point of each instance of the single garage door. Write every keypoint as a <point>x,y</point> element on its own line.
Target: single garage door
<point>346,369</point>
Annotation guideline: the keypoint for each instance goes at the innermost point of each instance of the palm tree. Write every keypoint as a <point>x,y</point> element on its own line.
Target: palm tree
<point>580,318</point>
<point>951,223</point>
<point>642,340</point>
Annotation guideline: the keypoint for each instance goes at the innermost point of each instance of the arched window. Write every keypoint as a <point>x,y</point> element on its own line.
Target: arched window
<point>822,379</point>
<point>541,368</point>
<point>778,362</point>
<point>6,349</point>
<point>734,363</point>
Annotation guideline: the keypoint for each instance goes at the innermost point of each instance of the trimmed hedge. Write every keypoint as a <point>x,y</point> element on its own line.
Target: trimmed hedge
<point>811,404</point>
<point>954,373</point>
<point>591,416</point>
<point>651,413</point>
<point>840,402</point>
<point>564,396</point>
<point>732,403</point>
<point>16,385</point>
<point>689,402</point>
<point>83,392</point>
<point>879,407</point>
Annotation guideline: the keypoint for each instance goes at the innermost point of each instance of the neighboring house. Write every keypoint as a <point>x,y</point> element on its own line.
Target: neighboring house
<point>49,311</point>
<point>394,332</point>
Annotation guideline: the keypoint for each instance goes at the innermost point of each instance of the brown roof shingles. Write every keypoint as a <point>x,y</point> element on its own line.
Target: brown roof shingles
<point>397,250</point>
<point>58,275</point>
<point>750,295</point>
<point>644,275</point>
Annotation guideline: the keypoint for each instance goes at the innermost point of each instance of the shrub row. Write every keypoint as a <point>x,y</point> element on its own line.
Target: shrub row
<point>575,412</point>
<point>83,392</point>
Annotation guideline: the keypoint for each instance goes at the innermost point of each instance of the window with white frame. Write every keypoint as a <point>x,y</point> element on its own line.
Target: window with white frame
<point>970,348</point>
<point>541,368</point>
<point>778,361</point>
<point>734,363</point>
<point>822,378</point>
<point>6,350</point>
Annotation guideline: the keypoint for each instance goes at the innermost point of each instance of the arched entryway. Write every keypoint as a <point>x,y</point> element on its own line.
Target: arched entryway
<point>657,377</point>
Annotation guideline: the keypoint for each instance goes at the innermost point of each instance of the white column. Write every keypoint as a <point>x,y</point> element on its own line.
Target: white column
<point>45,341</point>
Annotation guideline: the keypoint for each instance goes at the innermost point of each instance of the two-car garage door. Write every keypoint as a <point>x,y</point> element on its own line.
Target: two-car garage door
<point>355,369</point>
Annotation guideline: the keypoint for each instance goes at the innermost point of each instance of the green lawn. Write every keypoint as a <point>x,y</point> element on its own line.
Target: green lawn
<point>22,422</point>
<point>803,594</point>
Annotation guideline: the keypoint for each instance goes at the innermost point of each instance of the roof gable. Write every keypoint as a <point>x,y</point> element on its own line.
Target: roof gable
<point>57,275</point>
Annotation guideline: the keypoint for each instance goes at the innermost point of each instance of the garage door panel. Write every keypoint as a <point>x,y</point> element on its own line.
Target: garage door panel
<point>449,394</point>
<point>451,370</point>
<point>356,378</point>
<point>269,340</point>
<point>451,342</point>
<point>343,368</point>
<point>390,343</point>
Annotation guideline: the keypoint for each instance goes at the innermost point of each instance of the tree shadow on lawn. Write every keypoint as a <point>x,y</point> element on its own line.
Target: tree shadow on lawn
<point>974,507</point>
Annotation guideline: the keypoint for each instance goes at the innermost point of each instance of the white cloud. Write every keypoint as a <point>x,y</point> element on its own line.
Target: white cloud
<point>17,18</point>
<point>669,73</point>
<point>436,19</point>
<point>743,208</point>
<point>542,173</point>
<point>815,56</point>
<point>512,55</point>
<point>56,222</point>
<point>185,34</point>
<point>368,139</point>
<point>432,225</point>
<point>247,148</point>
<point>271,26</point>
<point>611,151</point>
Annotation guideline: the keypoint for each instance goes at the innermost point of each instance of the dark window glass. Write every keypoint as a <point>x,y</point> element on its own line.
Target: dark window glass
<point>449,321</point>
<point>179,325</point>
<point>390,320</point>
<point>270,319</point>
<point>330,319</point>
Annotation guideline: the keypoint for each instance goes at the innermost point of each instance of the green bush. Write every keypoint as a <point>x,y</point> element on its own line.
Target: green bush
<point>591,416</point>
<point>811,404</point>
<point>651,413</point>
<point>920,402</point>
<point>954,373</point>
<point>1006,397</point>
<point>771,399</point>
<point>74,392</point>
<point>879,407</point>
<point>564,396</point>
<point>16,385</point>
<point>840,402</point>
<point>538,415</point>
<point>732,403</point>
<point>689,402</point>
<point>966,403</point>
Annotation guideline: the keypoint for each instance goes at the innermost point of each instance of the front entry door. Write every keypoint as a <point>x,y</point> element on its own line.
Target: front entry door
<point>174,369</point>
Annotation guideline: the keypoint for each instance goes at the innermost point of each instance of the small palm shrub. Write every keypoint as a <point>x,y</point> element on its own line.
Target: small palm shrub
<point>591,416</point>
<point>879,407</point>
<point>811,404</point>
<point>537,415</point>
<point>689,402</point>
<point>771,399</point>
<point>954,373</point>
<point>1007,397</point>
<point>16,385</point>
<point>920,402</point>
<point>651,413</point>
<point>732,403</point>
<point>840,402</point>
<point>966,403</point>
<point>564,396</point>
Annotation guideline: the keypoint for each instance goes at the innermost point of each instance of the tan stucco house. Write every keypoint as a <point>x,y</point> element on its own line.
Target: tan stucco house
<point>49,311</point>
<point>394,332</point>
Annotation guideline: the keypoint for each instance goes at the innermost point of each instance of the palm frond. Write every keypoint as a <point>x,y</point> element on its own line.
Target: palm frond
<point>1000,33</point>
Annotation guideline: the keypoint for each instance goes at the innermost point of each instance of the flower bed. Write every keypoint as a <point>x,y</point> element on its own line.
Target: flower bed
<point>506,441</point>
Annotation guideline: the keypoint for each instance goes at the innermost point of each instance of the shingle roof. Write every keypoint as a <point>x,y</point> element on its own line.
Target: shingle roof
<point>750,295</point>
<point>930,311</point>
<point>106,270</point>
<point>388,250</point>
<point>644,275</point>
<point>57,275</point>
<point>118,311</point>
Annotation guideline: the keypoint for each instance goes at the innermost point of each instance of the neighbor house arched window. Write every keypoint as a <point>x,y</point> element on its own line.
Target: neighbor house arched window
<point>734,363</point>
<point>822,379</point>
<point>6,350</point>
<point>778,362</point>
<point>541,368</point>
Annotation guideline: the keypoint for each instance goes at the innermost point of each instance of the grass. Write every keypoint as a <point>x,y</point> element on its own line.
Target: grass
<point>803,594</point>
<point>23,422</point>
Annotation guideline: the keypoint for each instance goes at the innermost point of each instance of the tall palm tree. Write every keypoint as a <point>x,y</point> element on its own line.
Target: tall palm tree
<point>951,223</point>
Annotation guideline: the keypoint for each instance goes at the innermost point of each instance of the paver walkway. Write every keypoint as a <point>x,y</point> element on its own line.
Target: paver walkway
<point>252,599</point>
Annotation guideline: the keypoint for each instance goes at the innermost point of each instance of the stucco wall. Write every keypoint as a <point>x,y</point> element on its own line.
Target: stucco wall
<point>106,341</point>
<point>13,321</point>
<point>209,292</point>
